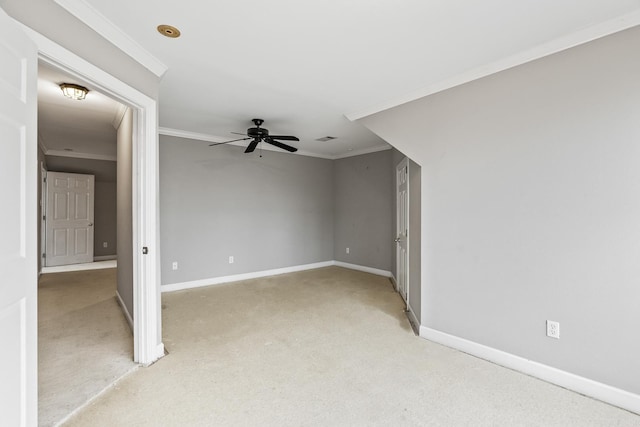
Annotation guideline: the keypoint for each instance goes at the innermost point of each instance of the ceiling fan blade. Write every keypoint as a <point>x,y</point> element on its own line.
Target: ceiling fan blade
<point>252,146</point>
<point>285,137</point>
<point>280,145</point>
<point>226,142</point>
<point>238,133</point>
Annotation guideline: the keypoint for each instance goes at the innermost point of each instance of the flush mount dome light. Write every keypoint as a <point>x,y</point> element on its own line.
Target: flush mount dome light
<point>74,91</point>
<point>169,31</point>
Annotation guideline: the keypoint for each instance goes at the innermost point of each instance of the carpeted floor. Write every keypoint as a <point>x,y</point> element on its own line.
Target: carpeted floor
<point>84,341</point>
<point>326,347</point>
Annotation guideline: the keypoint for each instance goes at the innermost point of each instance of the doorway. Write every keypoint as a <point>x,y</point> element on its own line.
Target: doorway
<point>69,218</point>
<point>402,229</point>
<point>145,289</point>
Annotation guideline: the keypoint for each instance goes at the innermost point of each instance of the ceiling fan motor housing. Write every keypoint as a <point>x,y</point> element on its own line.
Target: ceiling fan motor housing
<point>257,132</point>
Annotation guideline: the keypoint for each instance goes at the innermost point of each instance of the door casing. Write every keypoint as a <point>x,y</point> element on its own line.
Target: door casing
<point>69,229</point>
<point>402,229</point>
<point>147,327</point>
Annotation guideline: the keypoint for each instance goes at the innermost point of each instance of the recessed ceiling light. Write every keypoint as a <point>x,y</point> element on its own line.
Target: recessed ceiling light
<point>169,31</point>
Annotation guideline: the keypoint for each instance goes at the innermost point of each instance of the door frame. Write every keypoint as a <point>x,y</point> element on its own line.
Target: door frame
<point>147,327</point>
<point>404,164</point>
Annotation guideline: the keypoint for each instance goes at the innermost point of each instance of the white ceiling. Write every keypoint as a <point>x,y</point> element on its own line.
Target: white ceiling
<point>73,128</point>
<point>304,66</point>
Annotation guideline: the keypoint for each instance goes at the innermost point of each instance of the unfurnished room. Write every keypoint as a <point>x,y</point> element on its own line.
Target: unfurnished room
<point>320,213</point>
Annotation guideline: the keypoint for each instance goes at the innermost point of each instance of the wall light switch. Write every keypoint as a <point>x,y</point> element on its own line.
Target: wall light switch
<point>231,260</point>
<point>174,266</point>
<point>347,250</point>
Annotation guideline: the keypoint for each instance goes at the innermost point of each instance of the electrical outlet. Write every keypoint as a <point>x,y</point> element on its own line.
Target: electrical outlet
<point>231,259</point>
<point>174,266</point>
<point>553,329</point>
<point>105,244</point>
<point>347,250</point>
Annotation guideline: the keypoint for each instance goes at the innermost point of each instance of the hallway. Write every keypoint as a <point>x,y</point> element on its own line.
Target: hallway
<point>84,341</point>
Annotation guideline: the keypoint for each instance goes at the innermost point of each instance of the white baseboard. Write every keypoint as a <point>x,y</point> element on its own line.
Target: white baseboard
<point>104,258</point>
<point>371,270</point>
<point>394,281</point>
<point>412,317</point>
<point>127,315</point>
<point>258,274</point>
<point>245,276</point>
<point>597,390</point>
<point>80,267</point>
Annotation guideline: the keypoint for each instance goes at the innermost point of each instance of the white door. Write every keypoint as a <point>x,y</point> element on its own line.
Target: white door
<point>402,228</point>
<point>18,227</point>
<point>69,218</point>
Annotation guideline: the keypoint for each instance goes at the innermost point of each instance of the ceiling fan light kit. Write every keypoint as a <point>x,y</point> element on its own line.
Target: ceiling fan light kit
<point>259,134</point>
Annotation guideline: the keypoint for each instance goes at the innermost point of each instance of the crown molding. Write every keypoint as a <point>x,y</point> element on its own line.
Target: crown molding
<point>362,151</point>
<point>78,155</point>
<point>192,135</point>
<point>577,38</point>
<point>107,29</point>
<point>212,138</point>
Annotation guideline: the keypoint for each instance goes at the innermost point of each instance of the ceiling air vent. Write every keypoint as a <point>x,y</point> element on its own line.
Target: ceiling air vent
<point>326,138</point>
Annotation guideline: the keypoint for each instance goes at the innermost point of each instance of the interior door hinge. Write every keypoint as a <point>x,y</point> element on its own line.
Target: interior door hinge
<point>145,250</point>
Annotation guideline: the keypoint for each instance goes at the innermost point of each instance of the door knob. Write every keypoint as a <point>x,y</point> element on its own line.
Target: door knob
<point>397,239</point>
<point>90,224</point>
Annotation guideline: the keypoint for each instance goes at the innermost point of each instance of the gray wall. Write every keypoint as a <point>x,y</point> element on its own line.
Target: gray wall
<point>104,171</point>
<point>215,202</point>
<point>105,230</point>
<point>124,211</point>
<point>530,207</point>
<point>363,210</point>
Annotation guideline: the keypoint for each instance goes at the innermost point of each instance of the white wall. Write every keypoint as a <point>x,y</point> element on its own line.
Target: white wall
<point>531,207</point>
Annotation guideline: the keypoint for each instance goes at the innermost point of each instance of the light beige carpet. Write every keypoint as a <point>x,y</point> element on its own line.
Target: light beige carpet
<point>84,341</point>
<point>327,347</point>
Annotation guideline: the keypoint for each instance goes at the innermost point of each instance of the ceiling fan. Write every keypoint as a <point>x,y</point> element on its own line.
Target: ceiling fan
<point>261,134</point>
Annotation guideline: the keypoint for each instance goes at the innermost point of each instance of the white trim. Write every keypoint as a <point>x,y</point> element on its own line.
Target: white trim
<point>394,282</point>
<point>80,267</point>
<point>172,287</point>
<point>193,135</point>
<point>213,138</point>
<point>597,390</point>
<point>78,155</point>
<point>105,257</point>
<point>245,276</point>
<point>413,319</point>
<point>107,29</point>
<point>147,336</point>
<point>571,40</point>
<point>362,151</point>
<point>125,310</point>
<point>404,164</point>
<point>371,270</point>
